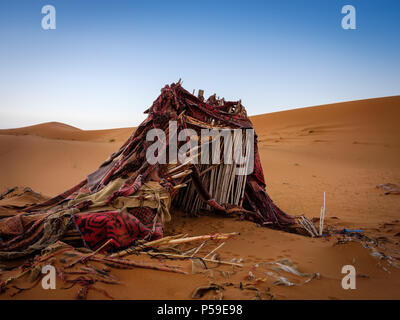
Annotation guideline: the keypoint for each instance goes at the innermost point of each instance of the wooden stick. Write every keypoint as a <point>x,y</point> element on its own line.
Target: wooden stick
<point>245,173</point>
<point>218,236</point>
<point>211,167</point>
<point>182,174</point>
<point>182,113</point>
<point>173,255</point>
<point>189,251</point>
<point>321,218</point>
<point>222,244</point>
<point>83,258</point>
<point>198,249</point>
<point>179,186</point>
<point>137,264</point>
<point>143,246</point>
<point>187,162</point>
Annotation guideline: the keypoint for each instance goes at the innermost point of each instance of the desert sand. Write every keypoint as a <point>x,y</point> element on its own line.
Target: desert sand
<point>343,149</point>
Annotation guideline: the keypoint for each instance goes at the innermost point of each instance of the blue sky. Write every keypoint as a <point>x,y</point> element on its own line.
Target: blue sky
<point>107,60</point>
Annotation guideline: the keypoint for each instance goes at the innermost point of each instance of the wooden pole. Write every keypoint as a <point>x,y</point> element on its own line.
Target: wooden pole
<point>209,254</point>
<point>173,255</point>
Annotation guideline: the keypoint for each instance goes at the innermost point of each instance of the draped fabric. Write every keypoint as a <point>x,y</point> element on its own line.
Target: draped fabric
<point>123,228</point>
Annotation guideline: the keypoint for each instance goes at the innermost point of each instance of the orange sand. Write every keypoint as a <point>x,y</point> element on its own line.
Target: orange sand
<point>344,149</point>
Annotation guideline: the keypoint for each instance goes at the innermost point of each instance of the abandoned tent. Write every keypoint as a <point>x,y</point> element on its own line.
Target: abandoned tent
<point>129,199</point>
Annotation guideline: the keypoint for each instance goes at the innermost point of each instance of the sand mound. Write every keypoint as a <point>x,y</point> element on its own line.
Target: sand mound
<point>371,121</point>
<point>61,131</point>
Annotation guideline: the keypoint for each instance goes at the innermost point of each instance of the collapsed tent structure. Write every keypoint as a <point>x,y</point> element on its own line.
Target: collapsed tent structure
<point>129,199</point>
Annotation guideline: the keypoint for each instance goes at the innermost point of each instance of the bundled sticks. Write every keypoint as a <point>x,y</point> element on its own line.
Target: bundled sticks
<point>159,249</point>
<point>140,247</point>
<point>226,179</point>
<point>308,226</point>
<point>172,240</point>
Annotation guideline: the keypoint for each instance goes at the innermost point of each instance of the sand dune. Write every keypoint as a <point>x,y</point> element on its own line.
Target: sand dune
<point>51,157</point>
<point>61,131</point>
<point>344,149</point>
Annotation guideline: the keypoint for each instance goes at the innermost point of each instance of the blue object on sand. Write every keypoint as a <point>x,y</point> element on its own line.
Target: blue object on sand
<point>350,231</point>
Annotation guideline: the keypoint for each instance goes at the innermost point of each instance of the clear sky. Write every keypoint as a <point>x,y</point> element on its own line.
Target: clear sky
<point>106,61</point>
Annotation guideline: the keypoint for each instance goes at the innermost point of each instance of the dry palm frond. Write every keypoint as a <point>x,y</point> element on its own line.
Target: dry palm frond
<point>308,226</point>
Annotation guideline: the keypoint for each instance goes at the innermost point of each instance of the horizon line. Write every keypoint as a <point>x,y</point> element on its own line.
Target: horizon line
<point>249,115</point>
